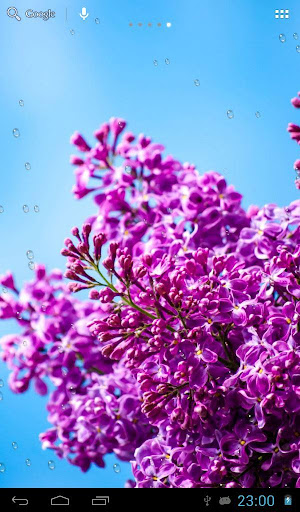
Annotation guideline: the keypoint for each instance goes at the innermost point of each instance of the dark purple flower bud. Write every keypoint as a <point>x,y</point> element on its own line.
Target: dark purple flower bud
<point>107,295</point>
<point>79,142</point>
<point>109,264</point>
<point>86,230</point>
<point>102,133</point>
<point>295,102</point>
<point>94,295</point>
<point>99,240</point>
<point>75,160</point>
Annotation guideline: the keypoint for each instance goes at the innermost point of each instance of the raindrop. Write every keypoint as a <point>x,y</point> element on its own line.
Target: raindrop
<point>25,208</point>
<point>155,62</point>
<point>197,82</point>
<point>16,132</point>
<point>14,445</point>
<point>72,31</point>
<point>72,390</point>
<point>167,61</point>
<point>27,166</point>
<point>28,462</point>
<point>24,343</point>
<point>127,169</point>
<point>2,467</point>
<point>295,35</point>
<point>51,464</point>
<point>64,371</point>
<point>44,307</point>
<point>282,38</point>
<point>31,265</point>
<point>30,255</point>
<point>21,102</point>
<point>1,383</point>
<point>4,290</point>
<point>1,396</point>
<point>230,114</point>
<point>36,208</point>
<point>1,209</point>
<point>257,114</point>
<point>298,49</point>
<point>97,21</point>
<point>117,468</point>
<point>60,349</point>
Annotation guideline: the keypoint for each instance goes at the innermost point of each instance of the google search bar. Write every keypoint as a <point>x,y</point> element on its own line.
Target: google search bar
<point>12,12</point>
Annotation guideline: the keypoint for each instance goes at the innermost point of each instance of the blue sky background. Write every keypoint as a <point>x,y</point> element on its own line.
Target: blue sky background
<point>70,82</point>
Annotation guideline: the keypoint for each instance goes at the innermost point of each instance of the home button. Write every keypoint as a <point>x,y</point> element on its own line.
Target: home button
<point>60,500</point>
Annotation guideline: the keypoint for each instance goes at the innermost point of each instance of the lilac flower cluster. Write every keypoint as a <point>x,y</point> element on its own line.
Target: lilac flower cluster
<point>294,131</point>
<point>189,363</point>
<point>95,408</point>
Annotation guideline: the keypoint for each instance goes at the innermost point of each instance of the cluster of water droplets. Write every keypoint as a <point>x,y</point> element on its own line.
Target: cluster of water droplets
<point>26,208</point>
<point>167,61</point>
<point>30,256</point>
<point>282,39</point>
<point>230,114</point>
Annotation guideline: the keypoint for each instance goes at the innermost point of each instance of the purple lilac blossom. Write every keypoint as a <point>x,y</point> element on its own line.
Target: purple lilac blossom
<point>185,360</point>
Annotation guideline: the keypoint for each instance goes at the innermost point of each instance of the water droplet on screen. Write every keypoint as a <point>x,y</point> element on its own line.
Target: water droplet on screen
<point>298,49</point>
<point>127,169</point>
<point>197,82</point>
<point>25,208</point>
<point>16,132</point>
<point>72,390</point>
<point>295,35</point>
<point>97,21</point>
<point>155,62</point>
<point>1,209</point>
<point>24,343</point>
<point>51,464</point>
<point>31,265</point>
<point>282,38</point>
<point>28,462</point>
<point>60,349</point>
<point>2,467</point>
<point>167,61</point>
<point>21,103</point>
<point>30,255</point>
<point>230,114</point>
<point>72,31</point>
<point>27,166</point>
<point>14,445</point>
<point>257,114</point>
<point>116,468</point>
<point>1,396</point>
<point>36,208</point>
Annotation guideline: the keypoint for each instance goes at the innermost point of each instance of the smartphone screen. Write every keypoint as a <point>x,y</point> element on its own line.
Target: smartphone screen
<point>149,271</point>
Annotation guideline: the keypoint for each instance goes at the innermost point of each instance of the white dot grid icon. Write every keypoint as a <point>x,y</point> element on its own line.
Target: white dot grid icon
<point>282,13</point>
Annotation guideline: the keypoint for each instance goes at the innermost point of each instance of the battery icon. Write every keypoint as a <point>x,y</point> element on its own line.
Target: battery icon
<point>288,499</point>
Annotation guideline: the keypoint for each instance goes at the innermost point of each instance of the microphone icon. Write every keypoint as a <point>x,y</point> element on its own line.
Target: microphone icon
<point>83,13</point>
